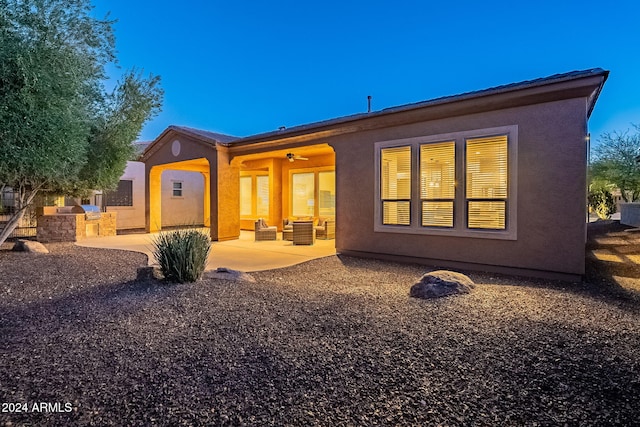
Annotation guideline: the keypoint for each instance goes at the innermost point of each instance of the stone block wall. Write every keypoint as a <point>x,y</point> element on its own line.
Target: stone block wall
<point>73,227</point>
<point>56,228</point>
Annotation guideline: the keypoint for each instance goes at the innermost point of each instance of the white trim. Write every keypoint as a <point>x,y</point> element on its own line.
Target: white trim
<point>460,201</point>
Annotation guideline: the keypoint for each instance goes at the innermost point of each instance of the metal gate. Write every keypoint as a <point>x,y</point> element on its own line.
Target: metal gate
<point>27,226</point>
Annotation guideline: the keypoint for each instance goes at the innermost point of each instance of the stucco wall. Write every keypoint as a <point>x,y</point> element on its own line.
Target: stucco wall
<point>551,187</point>
<point>188,208</point>
<point>130,217</point>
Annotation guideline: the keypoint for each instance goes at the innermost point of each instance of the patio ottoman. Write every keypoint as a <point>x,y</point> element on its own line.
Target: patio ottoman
<point>303,233</point>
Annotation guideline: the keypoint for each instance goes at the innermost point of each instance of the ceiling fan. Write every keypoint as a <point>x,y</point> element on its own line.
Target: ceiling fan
<point>293,157</point>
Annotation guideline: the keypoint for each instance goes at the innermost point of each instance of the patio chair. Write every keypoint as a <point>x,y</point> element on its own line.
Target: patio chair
<point>326,229</point>
<point>264,232</point>
<point>287,229</point>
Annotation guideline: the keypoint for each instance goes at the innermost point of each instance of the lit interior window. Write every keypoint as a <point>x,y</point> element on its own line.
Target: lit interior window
<point>437,183</point>
<point>487,182</point>
<point>395,185</point>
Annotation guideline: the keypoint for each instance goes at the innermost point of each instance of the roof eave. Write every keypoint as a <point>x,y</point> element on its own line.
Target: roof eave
<point>588,83</point>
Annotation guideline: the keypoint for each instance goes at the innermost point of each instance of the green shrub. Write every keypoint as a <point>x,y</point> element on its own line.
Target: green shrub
<point>182,254</point>
<point>601,201</point>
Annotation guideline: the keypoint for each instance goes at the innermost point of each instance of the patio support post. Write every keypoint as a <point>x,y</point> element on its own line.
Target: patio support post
<point>154,207</point>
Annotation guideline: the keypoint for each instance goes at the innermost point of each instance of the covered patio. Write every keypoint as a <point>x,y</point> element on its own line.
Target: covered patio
<point>243,254</point>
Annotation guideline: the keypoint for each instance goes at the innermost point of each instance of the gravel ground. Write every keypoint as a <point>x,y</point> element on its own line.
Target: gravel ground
<point>335,341</point>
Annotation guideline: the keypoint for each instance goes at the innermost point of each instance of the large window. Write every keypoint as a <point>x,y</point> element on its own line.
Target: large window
<point>437,183</point>
<point>313,193</point>
<point>327,194</point>
<point>254,195</point>
<point>303,194</point>
<point>395,185</point>
<point>460,184</point>
<point>246,196</point>
<point>122,196</point>
<point>487,182</point>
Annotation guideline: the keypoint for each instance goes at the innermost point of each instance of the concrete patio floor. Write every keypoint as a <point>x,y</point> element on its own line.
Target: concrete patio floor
<point>243,254</point>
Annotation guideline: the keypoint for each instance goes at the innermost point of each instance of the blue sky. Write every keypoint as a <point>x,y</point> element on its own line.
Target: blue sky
<point>248,67</point>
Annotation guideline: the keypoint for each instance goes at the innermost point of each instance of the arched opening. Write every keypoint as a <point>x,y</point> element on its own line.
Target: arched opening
<point>287,184</point>
<point>179,195</point>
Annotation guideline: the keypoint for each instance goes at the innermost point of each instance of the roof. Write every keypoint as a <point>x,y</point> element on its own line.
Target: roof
<point>217,137</point>
<point>214,138</point>
<point>512,87</point>
<point>211,138</point>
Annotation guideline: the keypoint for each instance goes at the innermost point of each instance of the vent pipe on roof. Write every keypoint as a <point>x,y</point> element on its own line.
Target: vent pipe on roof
<point>368,103</point>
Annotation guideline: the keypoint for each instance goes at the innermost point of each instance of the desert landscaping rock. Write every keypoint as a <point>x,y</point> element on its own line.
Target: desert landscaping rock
<point>224,273</point>
<point>149,273</point>
<point>30,246</point>
<point>331,342</point>
<point>441,283</point>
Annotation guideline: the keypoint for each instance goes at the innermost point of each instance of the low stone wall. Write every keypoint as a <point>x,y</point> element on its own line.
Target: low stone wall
<point>74,227</point>
<point>630,214</point>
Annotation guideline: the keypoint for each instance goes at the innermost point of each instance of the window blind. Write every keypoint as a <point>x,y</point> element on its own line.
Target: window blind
<point>487,182</point>
<point>262,195</point>
<point>245,196</point>
<point>395,185</point>
<point>437,183</point>
<point>303,194</point>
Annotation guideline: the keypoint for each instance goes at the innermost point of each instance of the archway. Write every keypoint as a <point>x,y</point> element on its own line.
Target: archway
<point>188,196</point>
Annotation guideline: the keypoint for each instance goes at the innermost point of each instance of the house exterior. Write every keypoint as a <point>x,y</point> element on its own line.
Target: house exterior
<point>181,194</point>
<point>493,180</point>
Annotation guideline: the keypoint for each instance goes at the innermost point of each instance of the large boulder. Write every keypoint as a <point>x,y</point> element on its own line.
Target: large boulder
<point>30,246</point>
<point>441,283</point>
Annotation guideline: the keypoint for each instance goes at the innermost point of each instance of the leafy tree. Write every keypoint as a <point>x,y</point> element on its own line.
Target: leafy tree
<point>615,162</point>
<point>60,129</point>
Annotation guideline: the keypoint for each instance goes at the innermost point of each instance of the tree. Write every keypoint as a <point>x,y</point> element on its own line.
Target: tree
<point>615,162</point>
<point>60,129</point>
<point>602,203</point>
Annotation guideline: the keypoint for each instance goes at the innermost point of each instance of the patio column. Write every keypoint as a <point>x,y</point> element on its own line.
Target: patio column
<point>207,198</point>
<point>154,213</point>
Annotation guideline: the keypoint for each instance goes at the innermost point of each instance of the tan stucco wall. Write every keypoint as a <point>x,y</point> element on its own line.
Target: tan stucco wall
<point>130,217</point>
<point>185,210</point>
<point>160,154</point>
<point>551,177</point>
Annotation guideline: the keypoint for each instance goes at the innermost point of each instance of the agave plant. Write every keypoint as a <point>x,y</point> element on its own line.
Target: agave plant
<point>182,254</point>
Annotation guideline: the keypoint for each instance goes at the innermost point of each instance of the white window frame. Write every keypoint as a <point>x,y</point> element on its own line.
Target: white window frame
<point>459,228</point>
<point>173,189</point>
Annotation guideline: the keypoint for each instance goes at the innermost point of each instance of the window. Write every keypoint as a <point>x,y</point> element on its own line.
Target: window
<point>487,182</point>
<point>303,194</point>
<point>254,195</point>
<point>122,196</point>
<point>246,196</point>
<point>459,184</point>
<point>437,183</point>
<point>177,189</point>
<point>262,195</point>
<point>327,194</point>
<point>395,185</point>
<point>312,192</point>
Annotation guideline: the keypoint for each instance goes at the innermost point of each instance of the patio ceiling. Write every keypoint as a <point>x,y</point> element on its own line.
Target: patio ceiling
<point>303,151</point>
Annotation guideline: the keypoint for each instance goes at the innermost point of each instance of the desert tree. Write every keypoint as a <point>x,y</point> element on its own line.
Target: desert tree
<point>61,131</point>
<point>615,163</point>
